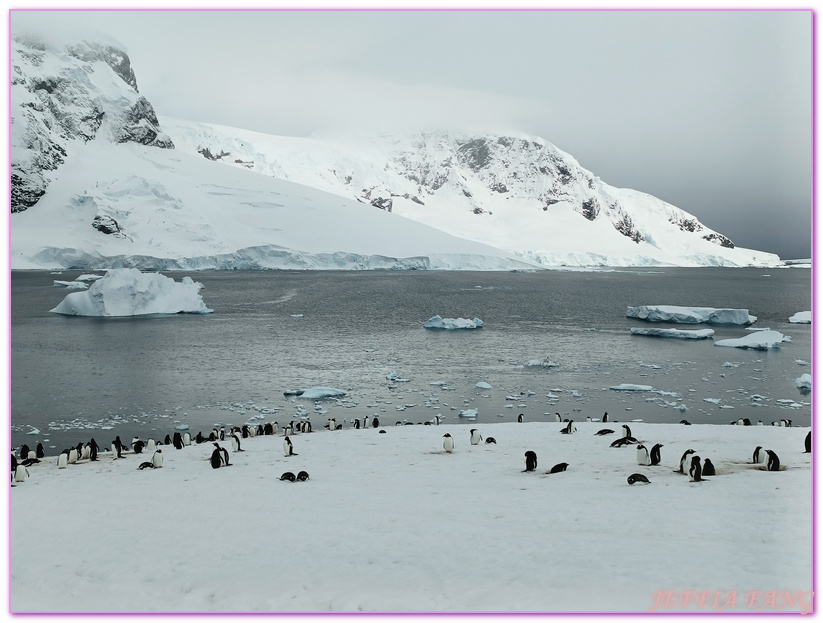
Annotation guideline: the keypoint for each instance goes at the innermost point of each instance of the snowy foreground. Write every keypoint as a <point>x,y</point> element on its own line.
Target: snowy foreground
<point>391,522</point>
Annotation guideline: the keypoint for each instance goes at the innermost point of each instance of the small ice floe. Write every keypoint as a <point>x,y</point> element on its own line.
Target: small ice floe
<point>320,393</point>
<point>802,362</point>
<point>804,317</point>
<point>804,383</point>
<point>541,363</point>
<point>760,340</point>
<point>629,387</point>
<point>700,334</point>
<point>690,315</point>
<point>181,427</point>
<point>483,385</point>
<point>729,364</point>
<point>36,431</point>
<point>438,383</point>
<point>436,322</point>
<point>89,277</point>
<point>296,315</point>
<point>71,285</point>
<point>714,401</point>
<point>468,413</point>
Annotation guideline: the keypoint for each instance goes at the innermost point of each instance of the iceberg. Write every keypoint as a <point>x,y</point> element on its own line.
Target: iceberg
<point>468,413</point>
<point>436,322</point>
<point>483,385</point>
<point>541,363</point>
<point>804,317</point>
<point>129,292</point>
<point>761,340</point>
<point>804,383</point>
<point>319,393</point>
<point>682,334</point>
<point>628,387</point>
<point>71,285</point>
<point>690,315</point>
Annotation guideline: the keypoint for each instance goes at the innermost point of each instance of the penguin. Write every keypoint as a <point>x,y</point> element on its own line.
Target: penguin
<point>79,448</point>
<point>531,461</point>
<point>63,460</point>
<point>560,467</point>
<point>491,440</point>
<point>623,441</point>
<point>448,443</point>
<point>287,476</point>
<point>760,422</point>
<point>476,437</point>
<point>306,427</point>
<point>759,455</point>
<point>808,443</point>
<point>708,468</point>
<point>235,442</point>
<point>654,457</point>
<point>520,418</point>
<point>93,448</point>
<point>773,464</point>
<point>604,431</point>
<point>605,417</point>
<point>569,428</point>
<point>557,417</point>
<point>259,430</point>
<point>146,464</point>
<point>73,456</point>
<point>302,476</point>
<point>684,461</point>
<point>151,445</point>
<point>244,431</point>
<point>642,455</point>
<point>382,431</point>
<point>167,441</point>
<point>588,418</point>
<point>685,422</point>
<point>216,458</point>
<point>85,454</point>
<point>24,451</point>
<point>41,452</point>
<point>740,422</point>
<point>375,423</point>
<point>157,458</point>
<point>137,446</point>
<point>21,473</point>
<point>331,423</point>
<point>357,423</point>
<point>747,421</point>
<point>198,438</point>
<point>274,427</point>
<point>30,462</point>
<point>186,439</point>
<point>178,441</point>
<point>13,465</point>
<point>267,429</point>
<point>366,421</point>
<point>627,432</point>
<point>288,430</point>
<point>224,456</point>
<point>695,471</point>
<point>288,448</point>
<point>635,478</point>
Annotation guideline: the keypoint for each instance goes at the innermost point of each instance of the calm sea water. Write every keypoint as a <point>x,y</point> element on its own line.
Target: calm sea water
<point>75,378</point>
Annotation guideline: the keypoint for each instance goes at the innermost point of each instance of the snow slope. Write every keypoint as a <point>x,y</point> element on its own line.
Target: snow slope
<point>390,522</point>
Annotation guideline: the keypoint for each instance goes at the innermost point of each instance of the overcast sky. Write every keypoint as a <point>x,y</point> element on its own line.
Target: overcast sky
<point>708,110</point>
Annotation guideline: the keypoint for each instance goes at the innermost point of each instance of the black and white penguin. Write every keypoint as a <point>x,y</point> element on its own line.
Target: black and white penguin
<point>288,448</point>
<point>623,441</point>
<point>63,459</point>
<point>157,458</point>
<point>708,468</point>
<point>448,443</point>
<point>216,459</point>
<point>13,465</point>
<point>773,464</point>
<point>73,456</point>
<point>531,461</point>
<point>759,455</point>
<point>186,439</point>
<point>21,473</point>
<point>244,431</point>
<point>137,446</point>
<point>331,423</point>
<point>638,478</point>
<point>654,456</point>
<point>476,437</point>
<point>178,440</point>
<point>695,471</point>
<point>93,448</point>
<point>307,427</point>
<point>151,445</point>
<point>288,429</point>
<point>685,422</point>
<point>289,476</point>
<point>235,442</point>
<point>560,467</point>
<point>375,423</point>
<point>642,455</point>
<point>357,423</point>
<point>520,418</point>
<point>569,428</point>
<point>302,476</point>
<point>605,417</point>
<point>491,440</point>
<point>146,464</point>
<point>366,421</point>
<point>198,438</point>
<point>627,432</point>
<point>225,456</point>
<point>267,429</point>
<point>685,461</point>
<point>24,451</point>
<point>808,443</point>
<point>30,462</point>
<point>557,417</point>
<point>604,431</point>
<point>257,431</point>
<point>167,441</point>
<point>41,451</point>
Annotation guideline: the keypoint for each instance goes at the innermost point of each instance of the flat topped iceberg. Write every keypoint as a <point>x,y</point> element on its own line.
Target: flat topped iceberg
<point>760,340</point>
<point>129,292</point>
<point>318,393</point>
<point>630,387</point>
<point>699,334</point>
<point>690,315</point>
<point>804,317</point>
<point>436,322</point>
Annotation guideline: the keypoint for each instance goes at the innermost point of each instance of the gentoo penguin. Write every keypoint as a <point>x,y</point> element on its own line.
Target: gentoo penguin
<point>685,422</point>
<point>178,440</point>
<point>63,460</point>
<point>257,431</point>
<point>375,423</point>
<point>357,423</point>
<point>137,446</point>
<point>151,445</point>
<point>116,448</point>
<point>235,442</point>
<point>274,427</point>
<point>224,455</point>
<point>654,456</point>
<point>157,458</point>
<point>303,476</point>
<point>491,440</point>
<point>635,478</point>
<point>773,464</point>
<point>305,427</point>
<point>244,431</point>
<point>695,471</point>
<point>216,457</point>
<point>146,464</point>
<point>30,462</point>
<point>685,461</point>
<point>604,431</point>
<point>747,421</point>
<point>331,424</point>
<point>24,451</point>
<point>623,441</point>
<point>41,452</point>
<point>267,430</point>
<point>605,417</point>
<point>708,468</point>
<point>476,437</point>
<point>740,422</point>
<point>759,455</point>
<point>21,473</point>
<point>186,439</point>
<point>569,428</point>
<point>85,453</point>
<point>520,418</point>
<point>93,449</point>
<point>287,476</point>
<point>627,432</point>
<point>808,442</point>
<point>642,455</point>
<point>198,438</point>
<point>167,441</point>
<point>288,448</point>
<point>531,461</point>
<point>557,417</point>
<point>73,456</point>
<point>366,421</point>
<point>288,429</point>
<point>448,443</point>
<point>560,467</point>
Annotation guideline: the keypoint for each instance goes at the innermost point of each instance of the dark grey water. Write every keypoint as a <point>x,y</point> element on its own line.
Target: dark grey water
<point>74,378</point>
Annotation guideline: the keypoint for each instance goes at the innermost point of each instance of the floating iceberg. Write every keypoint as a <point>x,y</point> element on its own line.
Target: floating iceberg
<point>628,387</point>
<point>761,340</point>
<point>318,393</point>
<point>804,383</point>
<point>436,322</point>
<point>541,363</point>
<point>71,285</point>
<point>128,292</point>
<point>690,315</point>
<point>468,413</point>
<point>804,317</point>
<point>483,385</point>
<point>682,334</point>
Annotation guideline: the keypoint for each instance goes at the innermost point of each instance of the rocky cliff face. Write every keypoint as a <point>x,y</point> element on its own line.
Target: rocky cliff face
<point>83,92</point>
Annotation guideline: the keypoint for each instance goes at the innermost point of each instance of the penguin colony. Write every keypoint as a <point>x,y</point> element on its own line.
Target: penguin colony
<point>690,464</point>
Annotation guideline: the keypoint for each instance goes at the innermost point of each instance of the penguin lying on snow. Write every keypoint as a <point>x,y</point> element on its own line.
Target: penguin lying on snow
<point>560,467</point>
<point>638,478</point>
<point>288,476</point>
<point>491,440</point>
<point>604,431</point>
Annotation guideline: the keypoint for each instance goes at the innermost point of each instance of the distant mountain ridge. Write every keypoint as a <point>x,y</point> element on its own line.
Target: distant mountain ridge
<point>516,193</point>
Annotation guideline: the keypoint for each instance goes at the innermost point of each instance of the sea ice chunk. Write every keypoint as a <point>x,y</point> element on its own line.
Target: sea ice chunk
<point>761,340</point>
<point>128,292</point>
<point>318,393</point>
<point>483,385</point>
<point>682,334</point>
<point>804,383</point>
<point>690,315</point>
<point>436,322</point>
<point>804,317</point>
<point>629,387</point>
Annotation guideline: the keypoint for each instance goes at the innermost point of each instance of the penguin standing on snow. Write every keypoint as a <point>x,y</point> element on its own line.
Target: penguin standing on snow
<point>63,460</point>
<point>157,458</point>
<point>13,465</point>
<point>448,443</point>
<point>569,428</point>
<point>41,452</point>
<point>531,461</point>
<point>807,450</point>
<point>773,464</point>
<point>73,456</point>
<point>605,417</point>
<point>685,461</point>
<point>235,442</point>
<point>642,455</point>
<point>288,448</point>
<point>520,418</point>
<point>476,437</point>
<point>93,448</point>
<point>759,455</point>
<point>216,457</point>
<point>654,457</point>
<point>375,423</point>
<point>627,432</point>
<point>708,468</point>
<point>695,471</point>
<point>178,441</point>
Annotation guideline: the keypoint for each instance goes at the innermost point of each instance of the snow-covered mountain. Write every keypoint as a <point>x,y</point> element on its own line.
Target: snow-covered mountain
<point>98,179</point>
